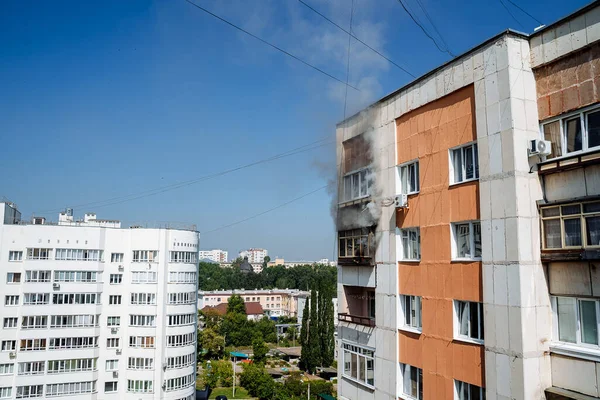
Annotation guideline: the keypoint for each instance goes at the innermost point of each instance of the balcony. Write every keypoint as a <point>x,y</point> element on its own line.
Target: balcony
<point>356,247</point>
<point>356,319</point>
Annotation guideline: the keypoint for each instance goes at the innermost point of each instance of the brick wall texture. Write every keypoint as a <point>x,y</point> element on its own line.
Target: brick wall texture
<point>569,83</point>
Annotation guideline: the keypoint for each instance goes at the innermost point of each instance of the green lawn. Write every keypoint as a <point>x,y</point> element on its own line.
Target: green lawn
<point>240,393</point>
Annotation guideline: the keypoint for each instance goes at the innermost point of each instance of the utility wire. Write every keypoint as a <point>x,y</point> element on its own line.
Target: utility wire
<point>270,44</point>
<point>525,12</point>
<point>425,31</point>
<point>356,38</point>
<point>264,212</point>
<point>511,14</point>
<point>158,190</point>
<point>422,7</point>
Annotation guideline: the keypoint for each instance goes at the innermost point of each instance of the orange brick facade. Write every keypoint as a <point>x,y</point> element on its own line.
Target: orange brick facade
<point>568,83</point>
<point>426,134</point>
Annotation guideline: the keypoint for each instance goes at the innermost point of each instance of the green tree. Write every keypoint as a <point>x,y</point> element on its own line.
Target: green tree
<point>266,261</point>
<point>314,358</point>
<point>266,328</point>
<point>209,377</point>
<point>210,343</point>
<point>236,305</point>
<point>259,350</point>
<point>328,333</point>
<point>224,370</point>
<point>304,351</point>
<point>237,330</point>
<point>257,381</point>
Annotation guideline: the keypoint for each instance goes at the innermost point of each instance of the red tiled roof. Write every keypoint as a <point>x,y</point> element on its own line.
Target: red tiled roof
<point>252,308</point>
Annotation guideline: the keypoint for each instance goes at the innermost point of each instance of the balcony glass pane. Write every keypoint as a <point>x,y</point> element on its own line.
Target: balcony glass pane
<point>551,212</point>
<point>354,365</point>
<point>463,242</point>
<point>355,186</point>
<point>370,371</point>
<point>347,187</point>
<point>552,236</point>
<point>469,171</point>
<point>573,135</point>
<point>552,133</point>
<point>572,232</point>
<point>477,238</point>
<point>567,319</point>
<point>457,165</point>
<point>593,129</point>
<point>591,207</point>
<point>361,368</point>
<point>593,231</point>
<point>571,209</point>
<point>589,323</point>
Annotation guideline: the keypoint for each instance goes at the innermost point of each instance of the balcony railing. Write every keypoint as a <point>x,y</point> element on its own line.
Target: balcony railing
<point>357,319</point>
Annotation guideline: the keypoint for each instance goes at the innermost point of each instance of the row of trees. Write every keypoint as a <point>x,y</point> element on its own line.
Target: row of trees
<point>211,276</point>
<point>317,335</point>
<point>260,384</point>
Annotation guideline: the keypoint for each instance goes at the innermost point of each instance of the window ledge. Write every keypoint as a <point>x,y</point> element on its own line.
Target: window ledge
<point>405,397</point>
<point>358,381</point>
<point>465,259</point>
<point>409,194</point>
<point>410,329</point>
<point>462,182</point>
<point>410,261</point>
<point>468,340</point>
<point>575,351</point>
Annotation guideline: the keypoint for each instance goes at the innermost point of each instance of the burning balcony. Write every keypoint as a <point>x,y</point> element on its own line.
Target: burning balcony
<point>356,246</point>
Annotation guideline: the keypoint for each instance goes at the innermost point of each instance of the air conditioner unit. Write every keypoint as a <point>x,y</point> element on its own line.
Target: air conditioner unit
<point>119,351</point>
<point>115,374</point>
<point>12,354</point>
<point>114,330</point>
<point>56,286</point>
<point>539,147</point>
<point>401,201</point>
<point>121,268</point>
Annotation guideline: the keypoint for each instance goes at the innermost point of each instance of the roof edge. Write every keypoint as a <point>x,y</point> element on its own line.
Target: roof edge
<point>574,14</point>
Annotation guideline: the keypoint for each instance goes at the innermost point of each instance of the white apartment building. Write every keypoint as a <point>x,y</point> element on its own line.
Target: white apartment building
<point>93,310</point>
<point>216,255</point>
<point>254,255</point>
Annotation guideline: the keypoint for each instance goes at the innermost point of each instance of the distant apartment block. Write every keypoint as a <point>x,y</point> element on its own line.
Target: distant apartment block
<point>469,226</point>
<point>255,256</point>
<point>216,255</point>
<point>93,310</point>
<point>291,264</point>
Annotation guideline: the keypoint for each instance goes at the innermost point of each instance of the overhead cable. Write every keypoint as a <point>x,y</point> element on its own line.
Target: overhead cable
<point>422,7</point>
<point>511,14</point>
<point>525,12</point>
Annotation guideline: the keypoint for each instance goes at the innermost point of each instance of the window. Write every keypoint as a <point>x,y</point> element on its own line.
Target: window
<point>116,257</point>
<point>78,255</point>
<point>25,392</point>
<point>112,365</point>
<point>407,178</point>
<point>180,382</point>
<point>412,381</point>
<point>355,243</point>
<point>410,244</point>
<point>114,299</point>
<point>116,279</point>
<point>73,343</point>
<point>181,361</point>
<point>575,132</point>
<point>9,345</point>
<point>36,298</point>
<point>15,255</point>
<point>64,389</point>
<point>7,369</point>
<point>38,254</point>
<point>359,364</point>
<point>143,277</point>
<point>182,277</point>
<point>75,276</point>
<point>189,257</point>
<point>357,185</point>
<point>5,392</point>
<point>142,320</point>
<point>143,298</point>
<point>145,256</point>
<point>138,386</point>
<point>110,387</point>
<point>73,365</point>
<point>113,321</point>
<point>469,320</point>
<point>182,319</point>
<point>11,300</point>
<point>464,164</point>
<point>144,342</point>
<point>571,225</point>
<point>13,277</point>
<point>34,322</point>
<point>411,312</point>
<point>112,343</point>
<point>32,344</point>
<point>140,363</point>
<point>76,298</point>
<point>182,298</point>
<point>10,322</point>
<point>466,391</point>
<point>32,368</point>
<point>185,339</point>
<point>577,320</point>
<point>73,321</point>
<point>466,241</point>
<point>38,276</point>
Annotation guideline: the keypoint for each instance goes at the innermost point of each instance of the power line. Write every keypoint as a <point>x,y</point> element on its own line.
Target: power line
<point>269,44</point>
<point>531,16</point>
<point>425,31</point>
<point>422,7</point>
<point>356,38</point>
<point>151,192</point>
<point>511,14</point>
<point>264,212</point>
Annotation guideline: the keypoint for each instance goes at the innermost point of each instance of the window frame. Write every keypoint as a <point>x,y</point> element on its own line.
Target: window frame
<point>408,396</point>
<point>578,325</point>
<point>403,313</point>
<point>456,322</point>
<point>353,235</point>
<point>400,243</point>
<point>583,114</point>
<point>457,383</point>
<point>359,173</point>
<point>453,233</point>
<point>400,187</point>
<point>582,215</point>
<point>353,348</point>
<point>475,147</point>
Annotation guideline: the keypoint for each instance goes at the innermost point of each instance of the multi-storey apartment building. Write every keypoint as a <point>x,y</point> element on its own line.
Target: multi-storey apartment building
<point>468,246</point>
<point>255,256</point>
<point>216,255</point>
<point>91,310</point>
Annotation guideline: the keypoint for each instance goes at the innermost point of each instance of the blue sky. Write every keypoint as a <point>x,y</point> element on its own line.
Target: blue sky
<point>112,98</point>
